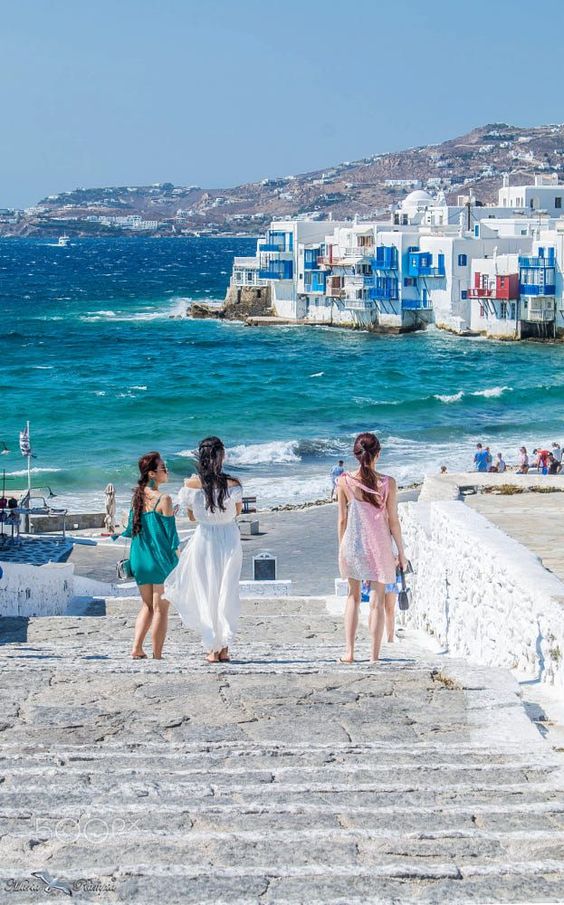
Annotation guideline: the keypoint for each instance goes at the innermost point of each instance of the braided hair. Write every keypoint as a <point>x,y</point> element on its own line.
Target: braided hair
<point>366,448</point>
<point>211,452</point>
<point>148,462</point>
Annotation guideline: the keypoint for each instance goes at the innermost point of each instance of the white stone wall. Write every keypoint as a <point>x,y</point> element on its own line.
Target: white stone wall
<point>35,590</point>
<point>481,594</point>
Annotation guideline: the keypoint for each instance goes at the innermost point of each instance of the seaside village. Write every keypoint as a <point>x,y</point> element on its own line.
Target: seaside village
<point>470,268</point>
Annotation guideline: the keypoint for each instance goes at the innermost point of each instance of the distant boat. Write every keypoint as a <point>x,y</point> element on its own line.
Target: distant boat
<point>63,241</point>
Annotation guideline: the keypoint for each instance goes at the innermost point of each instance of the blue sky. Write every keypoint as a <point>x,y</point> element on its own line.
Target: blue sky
<point>219,92</point>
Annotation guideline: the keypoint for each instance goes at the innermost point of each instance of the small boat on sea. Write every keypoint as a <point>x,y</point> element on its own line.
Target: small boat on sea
<point>63,241</point>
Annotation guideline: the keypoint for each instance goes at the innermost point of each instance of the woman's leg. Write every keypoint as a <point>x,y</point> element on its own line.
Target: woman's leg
<point>377,621</point>
<point>160,620</point>
<point>351,618</point>
<point>390,606</point>
<point>144,618</point>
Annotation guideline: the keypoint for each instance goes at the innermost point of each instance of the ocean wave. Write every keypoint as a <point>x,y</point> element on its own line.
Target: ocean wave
<point>274,453</point>
<point>22,472</point>
<point>490,393</point>
<point>318,374</point>
<point>494,392</point>
<point>455,397</point>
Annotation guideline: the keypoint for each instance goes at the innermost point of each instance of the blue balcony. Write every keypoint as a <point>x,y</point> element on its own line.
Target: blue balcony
<point>277,240</point>
<point>537,288</point>
<point>415,304</point>
<point>385,289</point>
<point>311,257</point>
<point>385,258</point>
<point>420,264</point>
<point>314,281</point>
<point>277,270</point>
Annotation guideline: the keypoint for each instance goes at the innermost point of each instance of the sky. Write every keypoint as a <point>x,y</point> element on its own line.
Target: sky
<point>219,92</point>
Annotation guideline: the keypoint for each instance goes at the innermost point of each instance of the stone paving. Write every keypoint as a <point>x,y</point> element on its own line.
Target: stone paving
<point>282,777</point>
<point>534,519</point>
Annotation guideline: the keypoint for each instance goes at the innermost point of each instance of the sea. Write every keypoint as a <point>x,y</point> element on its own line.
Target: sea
<point>97,354</point>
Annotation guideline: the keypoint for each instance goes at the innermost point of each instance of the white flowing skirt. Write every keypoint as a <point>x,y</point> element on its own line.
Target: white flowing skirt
<point>204,586</point>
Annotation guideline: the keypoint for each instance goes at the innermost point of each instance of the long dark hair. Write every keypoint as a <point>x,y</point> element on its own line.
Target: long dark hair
<point>148,462</point>
<point>366,448</point>
<point>214,480</point>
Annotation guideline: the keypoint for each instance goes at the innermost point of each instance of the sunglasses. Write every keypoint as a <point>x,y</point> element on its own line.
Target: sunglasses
<point>163,466</point>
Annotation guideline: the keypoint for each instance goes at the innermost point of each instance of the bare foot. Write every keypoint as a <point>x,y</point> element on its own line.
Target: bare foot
<point>224,655</point>
<point>213,657</point>
<point>138,655</point>
<point>347,660</point>
<point>157,656</point>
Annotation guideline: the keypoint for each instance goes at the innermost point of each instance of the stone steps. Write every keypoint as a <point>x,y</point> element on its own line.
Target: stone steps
<point>280,777</point>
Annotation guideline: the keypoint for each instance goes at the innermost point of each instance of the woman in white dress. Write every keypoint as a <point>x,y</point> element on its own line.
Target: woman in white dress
<point>204,586</point>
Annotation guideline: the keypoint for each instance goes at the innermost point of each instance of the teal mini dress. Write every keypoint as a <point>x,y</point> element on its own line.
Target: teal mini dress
<point>153,551</point>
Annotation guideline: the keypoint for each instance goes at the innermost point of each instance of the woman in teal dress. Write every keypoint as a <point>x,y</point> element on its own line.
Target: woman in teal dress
<point>154,552</point>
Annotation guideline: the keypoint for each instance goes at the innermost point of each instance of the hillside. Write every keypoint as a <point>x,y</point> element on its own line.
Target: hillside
<point>364,187</point>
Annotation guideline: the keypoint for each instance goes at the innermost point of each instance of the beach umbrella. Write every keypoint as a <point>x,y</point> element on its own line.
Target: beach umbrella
<point>110,514</point>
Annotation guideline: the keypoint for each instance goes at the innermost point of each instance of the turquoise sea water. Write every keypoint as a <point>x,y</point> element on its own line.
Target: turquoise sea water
<point>91,356</point>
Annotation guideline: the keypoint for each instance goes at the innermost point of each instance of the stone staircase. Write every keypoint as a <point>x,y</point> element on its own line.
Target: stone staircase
<point>282,777</point>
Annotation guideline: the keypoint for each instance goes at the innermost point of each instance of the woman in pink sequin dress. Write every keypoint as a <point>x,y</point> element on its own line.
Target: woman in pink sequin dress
<point>368,520</point>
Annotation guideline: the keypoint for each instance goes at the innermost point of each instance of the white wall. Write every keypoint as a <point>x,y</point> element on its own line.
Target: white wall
<point>35,590</point>
<point>481,594</point>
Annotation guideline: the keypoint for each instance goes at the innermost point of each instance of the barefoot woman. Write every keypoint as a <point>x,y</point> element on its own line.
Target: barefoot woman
<point>154,545</point>
<point>368,519</point>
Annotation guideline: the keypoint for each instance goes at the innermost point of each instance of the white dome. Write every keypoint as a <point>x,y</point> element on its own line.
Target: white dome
<point>418,198</point>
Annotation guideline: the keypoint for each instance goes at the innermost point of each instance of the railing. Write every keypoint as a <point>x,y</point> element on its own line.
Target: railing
<point>272,246</point>
<point>247,263</point>
<point>359,251</point>
<point>540,316</point>
<point>359,281</point>
<point>480,292</point>
<point>277,270</point>
<point>537,289</point>
<point>335,293</point>
<point>359,304</point>
<point>383,294</point>
<point>424,270</point>
<point>385,258</point>
<point>415,304</point>
<point>535,262</point>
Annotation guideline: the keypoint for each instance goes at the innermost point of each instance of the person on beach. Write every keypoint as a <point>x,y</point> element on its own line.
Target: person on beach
<point>557,452</point>
<point>541,462</point>
<point>481,457</point>
<point>554,466</point>
<point>367,522</point>
<point>153,553</point>
<point>204,587</point>
<point>336,473</point>
<point>523,461</point>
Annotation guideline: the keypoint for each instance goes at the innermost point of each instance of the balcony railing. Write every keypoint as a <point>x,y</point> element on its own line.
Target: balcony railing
<point>537,289</point>
<point>277,270</point>
<point>358,251</point>
<point>535,262</point>
<point>541,314</point>
<point>247,263</point>
<point>385,258</point>
<point>359,304</point>
<point>272,246</point>
<point>415,304</point>
<point>334,293</point>
<point>480,292</point>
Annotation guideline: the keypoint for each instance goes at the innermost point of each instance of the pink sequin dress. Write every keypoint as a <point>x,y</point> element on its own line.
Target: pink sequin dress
<point>366,552</point>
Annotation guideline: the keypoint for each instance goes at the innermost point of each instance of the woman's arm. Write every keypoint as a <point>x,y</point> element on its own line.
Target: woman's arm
<point>341,510</point>
<point>128,532</point>
<point>394,522</point>
<point>165,506</point>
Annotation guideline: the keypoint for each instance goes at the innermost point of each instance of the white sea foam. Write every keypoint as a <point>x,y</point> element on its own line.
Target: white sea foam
<point>318,374</point>
<point>455,397</point>
<point>138,388</point>
<point>43,367</point>
<point>493,392</point>
<point>275,453</point>
<point>35,470</point>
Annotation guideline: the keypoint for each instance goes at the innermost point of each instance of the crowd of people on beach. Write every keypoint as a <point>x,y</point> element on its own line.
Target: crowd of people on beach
<point>544,461</point>
<point>202,579</point>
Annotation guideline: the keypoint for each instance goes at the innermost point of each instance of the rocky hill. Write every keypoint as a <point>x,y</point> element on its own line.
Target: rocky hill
<point>364,187</point>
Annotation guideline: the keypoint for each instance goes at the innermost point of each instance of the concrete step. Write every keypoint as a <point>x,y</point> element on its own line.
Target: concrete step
<point>406,881</point>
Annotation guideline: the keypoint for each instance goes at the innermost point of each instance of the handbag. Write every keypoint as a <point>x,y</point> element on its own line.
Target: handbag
<point>123,566</point>
<point>404,596</point>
